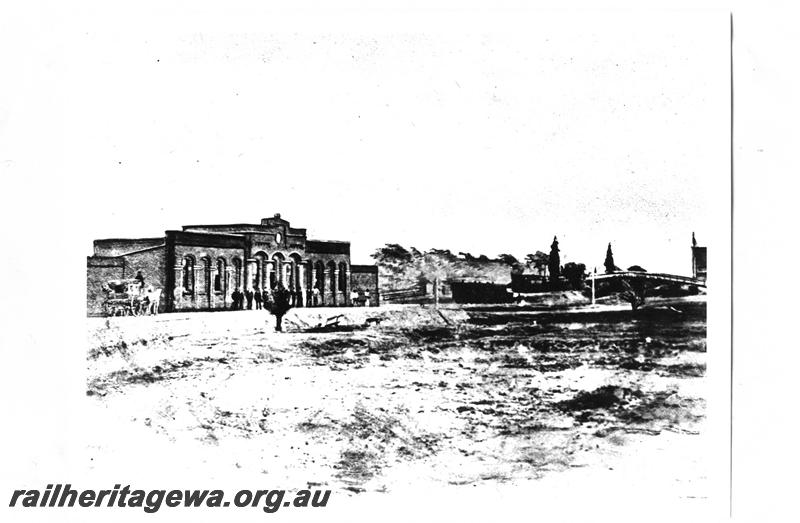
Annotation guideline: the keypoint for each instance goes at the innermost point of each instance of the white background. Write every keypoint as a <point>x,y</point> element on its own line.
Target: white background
<point>503,128</point>
<point>131,120</point>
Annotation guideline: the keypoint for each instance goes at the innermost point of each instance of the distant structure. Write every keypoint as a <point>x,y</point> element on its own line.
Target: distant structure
<point>699,261</point>
<point>609,262</point>
<point>554,263</point>
<point>201,266</point>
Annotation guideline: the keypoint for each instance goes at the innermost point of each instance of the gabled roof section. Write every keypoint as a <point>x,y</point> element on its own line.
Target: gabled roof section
<point>267,225</point>
<point>230,228</point>
<point>120,246</point>
<point>275,220</point>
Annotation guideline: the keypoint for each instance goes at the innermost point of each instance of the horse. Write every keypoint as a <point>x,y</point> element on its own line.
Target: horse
<point>153,297</point>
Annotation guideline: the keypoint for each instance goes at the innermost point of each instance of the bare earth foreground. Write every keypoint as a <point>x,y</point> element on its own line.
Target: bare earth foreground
<point>451,398</point>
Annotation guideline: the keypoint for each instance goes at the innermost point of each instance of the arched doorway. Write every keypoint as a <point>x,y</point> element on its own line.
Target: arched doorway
<point>330,290</point>
<point>221,280</point>
<point>343,285</point>
<point>237,273</point>
<point>260,280</point>
<point>277,275</point>
<point>319,284</point>
<point>297,283</point>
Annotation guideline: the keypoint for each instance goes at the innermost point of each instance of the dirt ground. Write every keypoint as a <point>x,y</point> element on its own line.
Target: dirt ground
<point>462,397</point>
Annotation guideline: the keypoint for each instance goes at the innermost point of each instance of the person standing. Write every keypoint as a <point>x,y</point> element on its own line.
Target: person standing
<point>236,296</point>
<point>140,278</point>
<point>281,303</point>
<point>257,296</point>
<point>315,296</point>
<point>249,295</point>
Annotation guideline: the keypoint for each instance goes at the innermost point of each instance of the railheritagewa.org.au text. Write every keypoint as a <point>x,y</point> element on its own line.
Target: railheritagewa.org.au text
<point>64,495</point>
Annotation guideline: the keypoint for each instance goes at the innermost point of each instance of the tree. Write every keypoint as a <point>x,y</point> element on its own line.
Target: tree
<point>508,259</point>
<point>443,253</point>
<point>511,261</point>
<point>609,263</point>
<point>537,262</point>
<point>279,305</point>
<point>434,264</point>
<point>392,253</point>
<point>396,265</point>
<point>554,261</point>
<point>575,273</point>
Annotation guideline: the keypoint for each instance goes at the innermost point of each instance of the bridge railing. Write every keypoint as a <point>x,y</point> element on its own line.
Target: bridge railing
<point>657,276</point>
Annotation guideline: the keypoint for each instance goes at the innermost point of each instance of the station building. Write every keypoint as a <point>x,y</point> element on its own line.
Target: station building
<point>200,266</point>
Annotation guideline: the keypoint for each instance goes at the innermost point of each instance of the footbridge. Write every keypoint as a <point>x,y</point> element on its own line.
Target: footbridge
<point>637,293</point>
<point>649,276</point>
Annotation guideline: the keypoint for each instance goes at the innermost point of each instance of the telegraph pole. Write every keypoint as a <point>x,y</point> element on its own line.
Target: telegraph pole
<point>594,273</point>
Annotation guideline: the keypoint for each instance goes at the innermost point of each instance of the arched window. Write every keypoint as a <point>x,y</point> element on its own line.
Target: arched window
<point>296,263</point>
<point>331,268</point>
<point>317,284</point>
<point>188,274</point>
<point>237,273</point>
<point>219,278</point>
<point>205,287</point>
<point>319,269</point>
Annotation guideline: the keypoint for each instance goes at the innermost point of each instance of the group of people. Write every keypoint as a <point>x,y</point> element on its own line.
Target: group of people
<point>359,298</point>
<point>239,298</point>
<point>263,300</point>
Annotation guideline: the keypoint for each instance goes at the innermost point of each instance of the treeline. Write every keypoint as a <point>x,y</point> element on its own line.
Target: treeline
<point>401,268</point>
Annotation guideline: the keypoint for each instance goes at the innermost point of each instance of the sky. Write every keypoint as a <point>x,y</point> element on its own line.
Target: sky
<point>484,132</point>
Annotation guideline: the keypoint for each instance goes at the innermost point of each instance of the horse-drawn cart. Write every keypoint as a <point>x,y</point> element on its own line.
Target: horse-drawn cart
<point>129,298</point>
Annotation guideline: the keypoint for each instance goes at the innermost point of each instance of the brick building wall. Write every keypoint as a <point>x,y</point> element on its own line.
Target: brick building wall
<point>212,273</point>
<point>99,270</point>
<point>152,263</point>
<point>102,269</point>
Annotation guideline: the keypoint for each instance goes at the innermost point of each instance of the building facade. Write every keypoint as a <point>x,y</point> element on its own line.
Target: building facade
<point>200,266</point>
<point>699,261</point>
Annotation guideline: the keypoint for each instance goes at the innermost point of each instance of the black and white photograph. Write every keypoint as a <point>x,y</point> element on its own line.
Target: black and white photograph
<point>362,263</point>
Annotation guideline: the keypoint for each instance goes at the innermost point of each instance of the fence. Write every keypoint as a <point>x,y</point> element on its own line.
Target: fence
<point>414,294</point>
